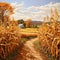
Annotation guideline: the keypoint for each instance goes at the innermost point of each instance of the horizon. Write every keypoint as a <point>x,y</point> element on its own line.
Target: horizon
<point>36,9</point>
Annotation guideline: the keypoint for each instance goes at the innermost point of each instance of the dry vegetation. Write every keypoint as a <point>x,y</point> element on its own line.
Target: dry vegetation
<point>9,34</point>
<point>49,35</point>
<point>9,40</point>
<point>28,32</point>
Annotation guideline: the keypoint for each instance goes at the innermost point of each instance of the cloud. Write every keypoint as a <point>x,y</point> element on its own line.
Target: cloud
<point>17,6</point>
<point>33,12</point>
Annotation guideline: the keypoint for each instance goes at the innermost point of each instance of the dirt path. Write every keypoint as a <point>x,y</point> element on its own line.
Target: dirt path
<point>33,52</point>
<point>29,52</point>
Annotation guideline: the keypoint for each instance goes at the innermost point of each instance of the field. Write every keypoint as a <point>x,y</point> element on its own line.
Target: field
<point>27,32</point>
<point>29,43</point>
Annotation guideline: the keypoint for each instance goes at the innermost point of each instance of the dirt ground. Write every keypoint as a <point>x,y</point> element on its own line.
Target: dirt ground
<point>28,52</point>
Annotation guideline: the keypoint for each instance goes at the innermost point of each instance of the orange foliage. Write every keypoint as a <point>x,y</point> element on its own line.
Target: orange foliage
<point>9,40</point>
<point>9,35</point>
<point>28,23</point>
<point>49,35</point>
<point>5,8</point>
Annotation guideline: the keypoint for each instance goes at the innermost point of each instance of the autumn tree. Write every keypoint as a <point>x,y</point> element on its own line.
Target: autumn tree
<point>5,10</point>
<point>28,22</point>
<point>20,21</point>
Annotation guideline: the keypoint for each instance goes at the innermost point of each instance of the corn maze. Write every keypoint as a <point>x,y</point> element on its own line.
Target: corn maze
<point>49,35</point>
<point>9,40</point>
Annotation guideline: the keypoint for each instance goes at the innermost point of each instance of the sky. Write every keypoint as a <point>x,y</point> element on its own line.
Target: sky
<point>34,9</point>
